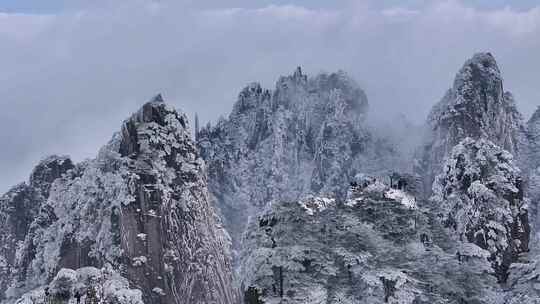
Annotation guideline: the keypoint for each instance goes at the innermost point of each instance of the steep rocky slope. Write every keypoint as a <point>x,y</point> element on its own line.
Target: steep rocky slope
<point>134,224</point>
<point>476,106</point>
<point>307,136</point>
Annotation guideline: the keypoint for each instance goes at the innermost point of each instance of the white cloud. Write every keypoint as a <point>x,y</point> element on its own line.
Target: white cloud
<point>518,23</point>
<point>22,27</point>
<point>69,79</point>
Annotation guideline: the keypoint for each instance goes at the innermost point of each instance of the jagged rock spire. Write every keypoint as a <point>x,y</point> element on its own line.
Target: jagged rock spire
<point>476,106</point>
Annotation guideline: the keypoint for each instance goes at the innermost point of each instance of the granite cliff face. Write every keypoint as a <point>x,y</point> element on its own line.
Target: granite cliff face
<point>477,107</point>
<point>136,218</point>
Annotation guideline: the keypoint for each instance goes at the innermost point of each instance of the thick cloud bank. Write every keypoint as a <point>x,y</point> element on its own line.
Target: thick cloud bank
<point>69,77</point>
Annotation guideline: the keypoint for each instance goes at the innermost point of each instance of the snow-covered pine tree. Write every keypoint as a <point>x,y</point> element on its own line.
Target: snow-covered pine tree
<point>480,198</point>
<point>377,247</point>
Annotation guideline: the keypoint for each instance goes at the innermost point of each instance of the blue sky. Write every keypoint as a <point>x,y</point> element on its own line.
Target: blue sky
<point>73,70</point>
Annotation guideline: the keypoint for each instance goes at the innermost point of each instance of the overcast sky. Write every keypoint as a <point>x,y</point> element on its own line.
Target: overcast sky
<point>71,71</point>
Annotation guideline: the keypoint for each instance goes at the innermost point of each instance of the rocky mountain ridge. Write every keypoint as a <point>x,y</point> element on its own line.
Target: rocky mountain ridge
<point>308,136</point>
<point>319,206</point>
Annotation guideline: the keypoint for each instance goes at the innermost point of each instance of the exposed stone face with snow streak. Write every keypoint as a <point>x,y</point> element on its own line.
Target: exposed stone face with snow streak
<point>139,212</point>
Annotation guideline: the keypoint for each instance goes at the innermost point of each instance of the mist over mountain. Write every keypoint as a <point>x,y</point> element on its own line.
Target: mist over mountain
<point>297,196</point>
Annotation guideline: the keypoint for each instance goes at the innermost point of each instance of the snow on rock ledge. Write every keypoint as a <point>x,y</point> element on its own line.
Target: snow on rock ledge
<point>314,205</point>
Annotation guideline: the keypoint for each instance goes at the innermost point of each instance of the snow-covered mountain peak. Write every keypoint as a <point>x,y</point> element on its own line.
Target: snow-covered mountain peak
<point>137,216</point>
<point>481,69</point>
<point>476,106</point>
<point>477,92</point>
<point>155,124</point>
<point>307,136</point>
